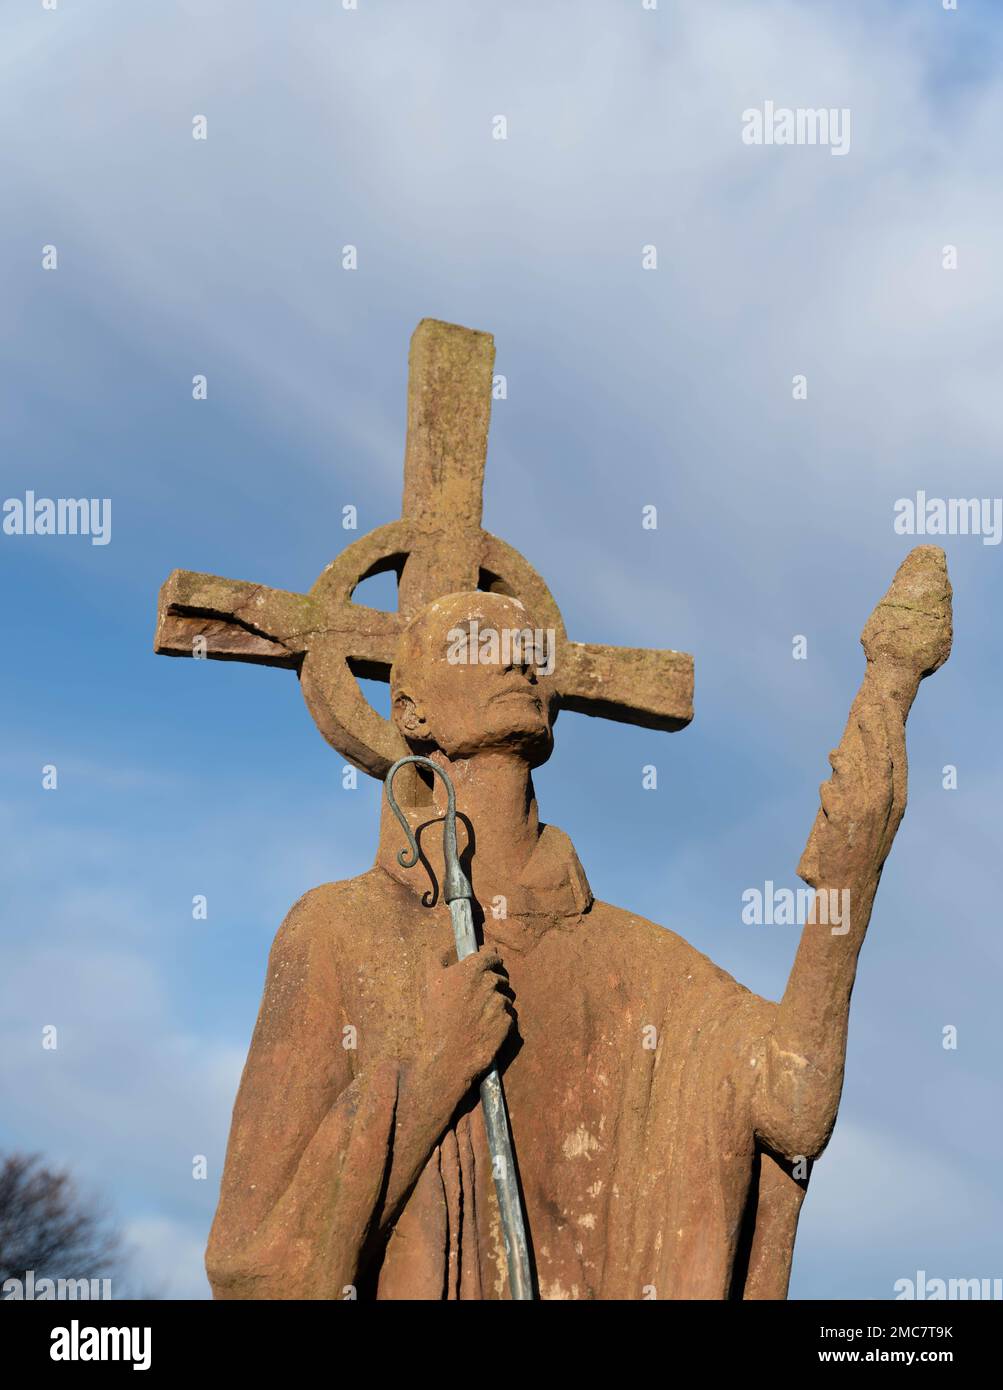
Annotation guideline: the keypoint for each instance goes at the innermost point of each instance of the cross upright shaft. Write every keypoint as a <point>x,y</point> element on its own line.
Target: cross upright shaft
<point>445,454</point>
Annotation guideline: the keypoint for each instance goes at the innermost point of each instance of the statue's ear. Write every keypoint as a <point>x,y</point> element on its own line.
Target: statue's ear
<point>408,717</point>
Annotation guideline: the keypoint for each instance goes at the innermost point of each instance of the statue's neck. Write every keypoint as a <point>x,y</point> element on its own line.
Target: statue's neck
<point>494,792</point>
<point>496,810</point>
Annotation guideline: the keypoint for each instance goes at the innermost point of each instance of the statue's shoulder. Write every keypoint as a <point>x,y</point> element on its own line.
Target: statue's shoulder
<point>349,909</point>
<point>653,948</point>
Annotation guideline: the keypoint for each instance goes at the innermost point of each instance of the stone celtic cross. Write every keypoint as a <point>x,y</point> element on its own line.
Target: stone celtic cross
<point>437,547</point>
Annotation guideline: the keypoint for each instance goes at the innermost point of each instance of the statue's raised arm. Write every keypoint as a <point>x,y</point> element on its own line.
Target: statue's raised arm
<point>907,637</point>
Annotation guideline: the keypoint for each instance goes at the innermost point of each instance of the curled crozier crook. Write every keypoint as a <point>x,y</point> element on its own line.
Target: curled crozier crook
<point>456,884</point>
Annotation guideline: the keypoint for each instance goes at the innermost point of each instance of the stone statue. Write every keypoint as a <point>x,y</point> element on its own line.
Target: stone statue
<point>664,1119</point>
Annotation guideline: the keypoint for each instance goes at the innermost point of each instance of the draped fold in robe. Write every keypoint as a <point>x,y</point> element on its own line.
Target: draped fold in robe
<point>630,1091</point>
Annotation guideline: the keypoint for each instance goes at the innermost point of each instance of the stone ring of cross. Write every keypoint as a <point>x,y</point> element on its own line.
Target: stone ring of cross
<point>437,547</point>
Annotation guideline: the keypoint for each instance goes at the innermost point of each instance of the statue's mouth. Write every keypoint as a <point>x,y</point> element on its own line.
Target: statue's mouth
<point>517,692</point>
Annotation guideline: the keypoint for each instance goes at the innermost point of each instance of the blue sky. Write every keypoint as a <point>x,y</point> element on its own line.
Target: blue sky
<point>625,388</point>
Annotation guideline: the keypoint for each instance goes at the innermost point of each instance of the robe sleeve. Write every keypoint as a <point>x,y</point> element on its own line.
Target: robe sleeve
<point>762,1266</point>
<point>310,1143</point>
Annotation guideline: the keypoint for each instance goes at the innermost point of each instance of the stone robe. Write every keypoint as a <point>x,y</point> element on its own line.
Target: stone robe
<point>631,1093</point>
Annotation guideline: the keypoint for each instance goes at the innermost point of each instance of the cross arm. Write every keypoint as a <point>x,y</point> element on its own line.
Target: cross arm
<point>237,621</point>
<point>327,643</point>
<point>631,685</point>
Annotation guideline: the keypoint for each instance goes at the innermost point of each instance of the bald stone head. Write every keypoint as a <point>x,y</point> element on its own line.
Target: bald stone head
<point>473,673</point>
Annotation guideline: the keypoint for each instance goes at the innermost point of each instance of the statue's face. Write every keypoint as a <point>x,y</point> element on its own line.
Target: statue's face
<point>473,673</point>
